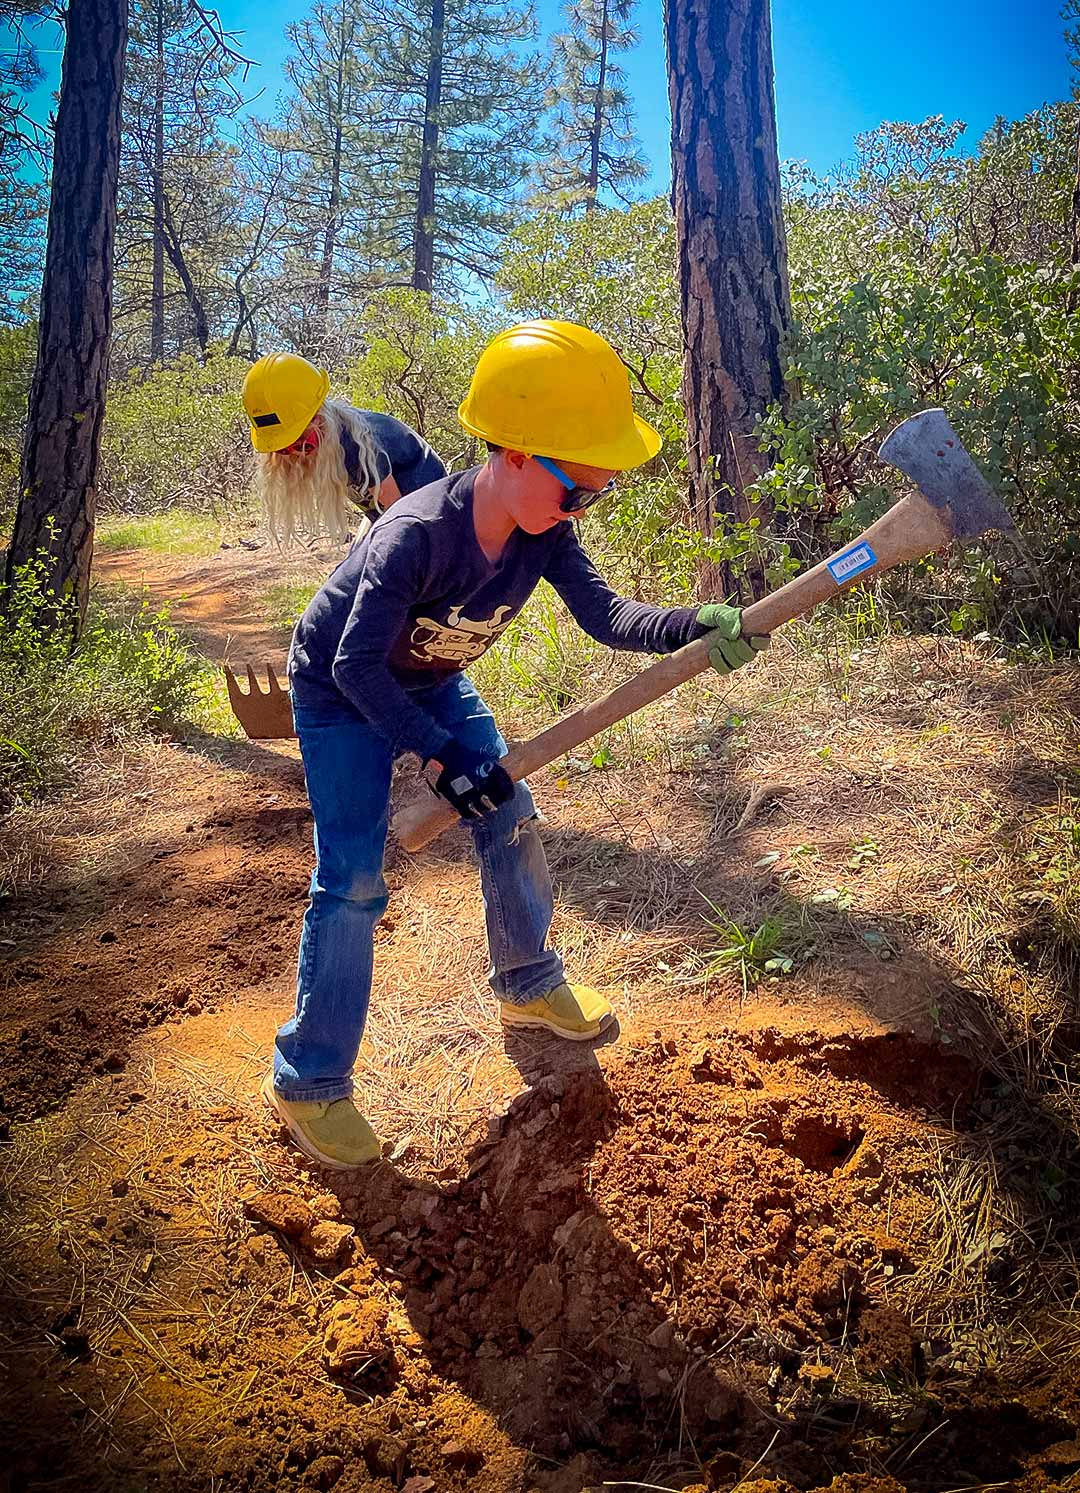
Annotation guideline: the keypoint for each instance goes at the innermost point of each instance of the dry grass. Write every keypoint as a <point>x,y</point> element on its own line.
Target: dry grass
<point>930,786</point>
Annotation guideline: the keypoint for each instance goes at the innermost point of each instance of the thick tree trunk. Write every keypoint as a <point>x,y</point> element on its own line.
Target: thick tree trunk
<point>597,131</point>
<point>157,281</point>
<point>732,249</point>
<point>58,496</point>
<point>423,277</point>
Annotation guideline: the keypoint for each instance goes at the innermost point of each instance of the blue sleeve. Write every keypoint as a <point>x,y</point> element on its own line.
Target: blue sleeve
<point>392,579</point>
<point>610,618</point>
<point>406,455</point>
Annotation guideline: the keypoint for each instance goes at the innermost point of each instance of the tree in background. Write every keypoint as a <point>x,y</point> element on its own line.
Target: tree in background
<point>329,172</point>
<point>179,88</point>
<point>592,144</point>
<point>57,499</point>
<point>454,121</point>
<point>732,253</point>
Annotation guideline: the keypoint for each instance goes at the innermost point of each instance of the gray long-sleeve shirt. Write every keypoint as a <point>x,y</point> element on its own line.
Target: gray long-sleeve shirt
<point>416,600</point>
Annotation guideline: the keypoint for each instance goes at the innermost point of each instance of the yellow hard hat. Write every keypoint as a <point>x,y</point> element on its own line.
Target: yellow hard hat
<point>282,394</point>
<point>550,388</point>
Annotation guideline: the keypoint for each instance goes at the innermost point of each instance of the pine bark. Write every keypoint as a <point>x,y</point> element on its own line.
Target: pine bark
<point>732,251</point>
<point>423,277</point>
<point>58,496</point>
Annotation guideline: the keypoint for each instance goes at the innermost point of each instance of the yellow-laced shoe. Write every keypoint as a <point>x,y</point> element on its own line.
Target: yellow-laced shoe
<point>572,1011</point>
<point>334,1134</point>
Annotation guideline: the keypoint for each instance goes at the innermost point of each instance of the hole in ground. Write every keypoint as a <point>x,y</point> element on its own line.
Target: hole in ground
<point>824,1143</point>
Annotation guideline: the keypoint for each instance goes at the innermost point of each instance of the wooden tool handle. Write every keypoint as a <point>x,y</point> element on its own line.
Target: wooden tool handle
<point>910,529</point>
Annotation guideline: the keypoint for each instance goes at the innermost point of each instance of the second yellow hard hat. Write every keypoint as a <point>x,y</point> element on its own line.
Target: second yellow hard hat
<point>282,395</point>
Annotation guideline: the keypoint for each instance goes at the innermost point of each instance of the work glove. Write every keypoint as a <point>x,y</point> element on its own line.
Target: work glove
<point>473,783</point>
<point>731,649</point>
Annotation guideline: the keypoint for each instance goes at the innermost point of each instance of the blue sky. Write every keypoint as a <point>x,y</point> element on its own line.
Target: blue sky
<point>842,66</point>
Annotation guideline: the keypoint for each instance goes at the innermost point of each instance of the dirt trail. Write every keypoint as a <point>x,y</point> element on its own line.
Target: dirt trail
<point>219,600</point>
<point>706,1253</point>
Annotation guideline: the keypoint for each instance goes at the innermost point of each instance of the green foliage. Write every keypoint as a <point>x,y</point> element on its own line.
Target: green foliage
<point>18,351</point>
<point>775,947</point>
<point>174,533</point>
<point>285,602</point>
<point>419,358</point>
<point>176,438</point>
<point>613,271</point>
<point>129,671</point>
<point>900,305</point>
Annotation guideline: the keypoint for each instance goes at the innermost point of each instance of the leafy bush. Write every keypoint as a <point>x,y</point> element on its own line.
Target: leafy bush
<point>419,360</point>
<point>18,350</point>
<point>130,671</point>
<point>176,437</point>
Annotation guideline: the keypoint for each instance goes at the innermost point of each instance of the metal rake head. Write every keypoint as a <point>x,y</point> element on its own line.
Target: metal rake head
<point>266,715</point>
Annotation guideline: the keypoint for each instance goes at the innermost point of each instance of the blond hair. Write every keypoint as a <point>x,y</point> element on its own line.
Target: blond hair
<point>309,497</point>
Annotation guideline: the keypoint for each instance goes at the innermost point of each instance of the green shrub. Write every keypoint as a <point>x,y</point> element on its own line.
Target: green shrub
<point>419,360</point>
<point>176,437</point>
<point>18,350</point>
<point>129,672</point>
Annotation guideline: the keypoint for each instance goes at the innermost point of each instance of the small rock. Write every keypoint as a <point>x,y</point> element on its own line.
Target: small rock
<point>540,1300</point>
<point>327,1242</point>
<point>283,1212</point>
<point>355,1339</point>
<point>662,1337</point>
<point>463,1456</point>
<point>120,1187</point>
<point>324,1472</point>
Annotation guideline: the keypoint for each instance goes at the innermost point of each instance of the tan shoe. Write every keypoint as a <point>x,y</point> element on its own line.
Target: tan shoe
<point>575,1012</point>
<point>334,1134</point>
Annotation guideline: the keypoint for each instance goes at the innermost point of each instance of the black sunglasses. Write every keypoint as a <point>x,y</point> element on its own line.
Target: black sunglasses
<point>576,497</point>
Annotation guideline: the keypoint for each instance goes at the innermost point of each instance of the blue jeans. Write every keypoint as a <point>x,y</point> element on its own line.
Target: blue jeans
<point>347,764</point>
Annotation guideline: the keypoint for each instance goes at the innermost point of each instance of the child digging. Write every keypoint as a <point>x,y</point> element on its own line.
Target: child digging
<point>377,669</point>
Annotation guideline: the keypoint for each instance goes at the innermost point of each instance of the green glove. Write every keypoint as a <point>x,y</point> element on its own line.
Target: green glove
<point>730,649</point>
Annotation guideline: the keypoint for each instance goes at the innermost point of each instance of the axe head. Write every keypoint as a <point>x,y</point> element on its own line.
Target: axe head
<point>927,449</point>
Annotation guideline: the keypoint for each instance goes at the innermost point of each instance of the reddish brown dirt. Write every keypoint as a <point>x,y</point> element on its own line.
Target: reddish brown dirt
<point>688,1258</point>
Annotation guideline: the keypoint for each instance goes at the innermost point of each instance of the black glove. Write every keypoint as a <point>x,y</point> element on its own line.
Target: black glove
<point>473,784</point>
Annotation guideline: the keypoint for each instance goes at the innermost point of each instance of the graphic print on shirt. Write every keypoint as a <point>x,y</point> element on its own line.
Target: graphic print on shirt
<point>457,640</point>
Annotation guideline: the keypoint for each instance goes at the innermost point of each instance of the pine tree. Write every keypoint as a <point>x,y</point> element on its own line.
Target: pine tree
<point>179,88</point>
<point>330,171</point>
<point>592,145</point>
<point>454,120</point>
<point>58,482</point>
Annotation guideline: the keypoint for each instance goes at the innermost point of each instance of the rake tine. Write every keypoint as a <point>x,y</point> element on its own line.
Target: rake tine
<point>265,714</point>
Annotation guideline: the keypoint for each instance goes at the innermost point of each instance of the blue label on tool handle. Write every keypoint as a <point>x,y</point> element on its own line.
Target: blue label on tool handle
<point>852,563</point>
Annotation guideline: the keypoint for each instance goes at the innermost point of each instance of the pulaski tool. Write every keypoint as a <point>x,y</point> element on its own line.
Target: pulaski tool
<point>952,500</point>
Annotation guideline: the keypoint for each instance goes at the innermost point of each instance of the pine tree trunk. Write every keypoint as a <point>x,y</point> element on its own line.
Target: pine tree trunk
<point>326,269</point>
<point>177,259</point>
<point>157,281</point>
<point>596,133</point>
<point>58,496</point>
<point>423,277</point>
<point>732,251</point>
